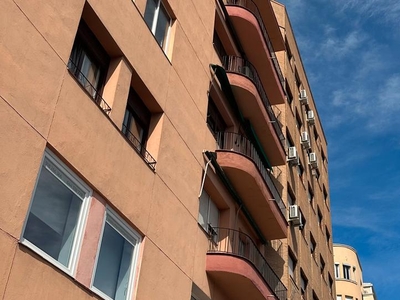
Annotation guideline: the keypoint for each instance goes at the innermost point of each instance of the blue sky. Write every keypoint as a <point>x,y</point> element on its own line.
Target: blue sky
<point>351,53</point>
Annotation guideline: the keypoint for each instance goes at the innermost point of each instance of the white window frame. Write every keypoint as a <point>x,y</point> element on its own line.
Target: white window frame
<point>208,227</point>
<point>133,237</point>
<point>73,182</point>
<point>347,267</point>
<point>155,22</point>
<point>337,270</point>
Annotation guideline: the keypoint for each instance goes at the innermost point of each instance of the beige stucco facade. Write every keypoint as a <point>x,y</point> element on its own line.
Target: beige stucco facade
<point>173,140</point>
<point>348,275</point>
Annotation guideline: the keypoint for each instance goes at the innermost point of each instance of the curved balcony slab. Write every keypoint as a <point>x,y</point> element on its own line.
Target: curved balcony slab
<point>237,278</point>
<point>249,33</point>
<point>255,193</point>
<point>253,109</point>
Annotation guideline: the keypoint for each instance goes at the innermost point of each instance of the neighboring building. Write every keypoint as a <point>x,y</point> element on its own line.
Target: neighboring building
<point>159,149</point>
<point>348,275</point>
<point>308,247</point>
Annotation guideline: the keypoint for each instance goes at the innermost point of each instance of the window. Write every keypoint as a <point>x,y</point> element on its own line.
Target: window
<point>303,284</point>
<point>297,78</point>
<point>328,235</point>
<point>310,196</point>
<point>292,265</point>
<point>325,194</point>
<point>300,171</point>
<point>299,124</point>
<point>289,94</point>
<point>159,21</point>
<point>315,134</point>
<point>330,282</point>
<point>348,298</point>
<point>337,270</point>
<point>208,214</point>
<point>321,265</point>
<point>116,259</point>
<point>56,215</point>
<point>339,297</point>
<point>136,121</point>
<point>218,46</point>
<point>319,213</point>
<point>89,62</point>
<point>346,272</point>
<point>313,245</point>
<point>214,118</point>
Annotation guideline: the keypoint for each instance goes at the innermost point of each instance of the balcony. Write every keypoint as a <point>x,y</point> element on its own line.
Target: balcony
<point>254,183</point>
<point>253,35</point>
<point>139,148</point>
<point>240,270</point>
<point>255,106</point>
<point>88,87</point>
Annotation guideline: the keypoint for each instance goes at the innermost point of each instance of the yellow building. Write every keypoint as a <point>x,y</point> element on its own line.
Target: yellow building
<point>159,149</point>
<point>348,275</point>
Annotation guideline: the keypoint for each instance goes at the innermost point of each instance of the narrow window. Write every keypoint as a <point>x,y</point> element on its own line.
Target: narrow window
<point>218,46</point>
<point>346,272</point>
<point>208,214</point>
<point>319,213</point>
<point>89,62</point>
<point>313,245</point>
<point>159,21</point>
<point>310,196</point>
<point>321,265</point>
<point>56,216</point>
<point>136,121</point>
<point>337,270</point>
<point>116,259</point>
<point>303,284</point>
<point>299,124</point>
<point>289,94</point>
<point>292,265</point>
<point>215,120</point>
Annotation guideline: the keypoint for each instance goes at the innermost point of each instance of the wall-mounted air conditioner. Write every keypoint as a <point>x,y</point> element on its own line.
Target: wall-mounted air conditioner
<point>310,117</point>
<point>312,160</point>
<point>303,97</point>
<point>305,140</point>
<point>293,157</point>
<point>295,215</point>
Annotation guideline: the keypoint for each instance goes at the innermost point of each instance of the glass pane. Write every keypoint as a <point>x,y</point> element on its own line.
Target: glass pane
<point>90,75</point>
<point>53,218</point>
<point>149,12</point>
<point>203,210</point>
<point>162,26</point>
<point>113,265</point>
<point>214,214</point>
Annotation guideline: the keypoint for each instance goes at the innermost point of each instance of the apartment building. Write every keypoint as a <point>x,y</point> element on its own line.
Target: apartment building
<point>159,149</point>
<point>349,276</point>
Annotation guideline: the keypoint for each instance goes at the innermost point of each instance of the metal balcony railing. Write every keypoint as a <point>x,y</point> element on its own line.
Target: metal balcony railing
<point>252,7</point>
<point>139,147</point>
<point>89,88</point>
<point>238,143</point>
<point>242,66</point>
<point>236,243</point>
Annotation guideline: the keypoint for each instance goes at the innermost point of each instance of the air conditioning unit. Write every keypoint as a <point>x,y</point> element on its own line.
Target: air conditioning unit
<point>295,215</point>
<point>312,160</point>
<point>293,157</point>
<point>310,117</point>
<point>303,97</point>
<point>305,140</point>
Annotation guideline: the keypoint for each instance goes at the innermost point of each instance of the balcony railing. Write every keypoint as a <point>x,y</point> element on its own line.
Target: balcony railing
<point>234,242</point>
<point>139,147</point>
<point>88,87</point>
<point>240,65</point>
<point>238,143</point>
<point>252,7</point>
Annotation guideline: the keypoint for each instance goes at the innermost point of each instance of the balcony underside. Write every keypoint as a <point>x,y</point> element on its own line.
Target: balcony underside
<point>251,187</point>
<point>252,40</point>
<point>252,108</point>
<point>237,278</point>
<point>271,24</point>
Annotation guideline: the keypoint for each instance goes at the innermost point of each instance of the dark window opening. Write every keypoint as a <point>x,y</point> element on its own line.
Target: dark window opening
<point>214,118</point>
<point>218,46</point>
<point>89,63</point>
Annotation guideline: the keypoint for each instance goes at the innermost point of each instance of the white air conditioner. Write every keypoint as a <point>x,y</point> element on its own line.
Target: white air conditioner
<point>295,215</point>
<point>305,140</point>
<point>310,117</point>
<point>312,160</point>
<point>303,97</point>
<point>293,157</point>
